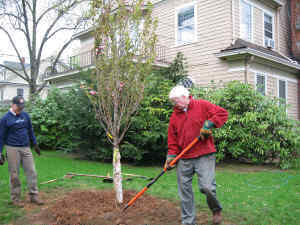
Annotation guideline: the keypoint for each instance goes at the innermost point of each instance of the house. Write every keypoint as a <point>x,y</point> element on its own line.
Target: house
<point>67,73</point>
<point>224,40</point>
<point>12,85</point>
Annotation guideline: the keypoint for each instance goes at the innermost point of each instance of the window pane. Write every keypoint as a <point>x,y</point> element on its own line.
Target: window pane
<point>268,26</point>
<point>282,91</point>
<point>186,25</point>
<point>20,91</point>
<point>268,34</point>
<point>186,16</point>
<point>260,84</point>
<point>246,19</point>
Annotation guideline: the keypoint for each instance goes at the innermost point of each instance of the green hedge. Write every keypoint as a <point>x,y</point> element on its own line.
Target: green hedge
<point>66,121</point>
<point>258,129</point>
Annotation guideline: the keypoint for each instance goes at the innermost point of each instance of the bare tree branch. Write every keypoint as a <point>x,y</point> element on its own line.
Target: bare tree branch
<point>61,51</point>
<point>29,6</point>
<point>24,16</point>
<point>27,30</point>
<point>14,71</point>
<point>46,35</point>
<point>41,87</point>
<point>17,52</point>
<point>11,15</point>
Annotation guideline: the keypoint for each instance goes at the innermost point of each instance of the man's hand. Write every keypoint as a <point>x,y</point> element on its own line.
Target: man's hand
<point>37,149</point>
<point>2,159</point>
<point>205,131</point>
<point>168,161</point>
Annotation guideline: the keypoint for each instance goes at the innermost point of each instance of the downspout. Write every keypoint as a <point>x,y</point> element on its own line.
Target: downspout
<point>248,60</point>
<point>232,21</point>
<point>290,30</point>
<point>278,28</point>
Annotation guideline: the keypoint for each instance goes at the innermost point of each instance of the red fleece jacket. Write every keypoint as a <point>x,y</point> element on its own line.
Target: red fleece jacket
<point>184,127</point>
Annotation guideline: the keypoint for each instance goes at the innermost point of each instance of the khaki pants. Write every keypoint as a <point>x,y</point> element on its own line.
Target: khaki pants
<point>17,156</point>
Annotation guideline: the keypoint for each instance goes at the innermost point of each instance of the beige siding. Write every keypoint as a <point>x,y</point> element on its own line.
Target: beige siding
<point>272,76</point>
<point>292,100</point>
<point>214,32</point>
<point>257,26</point>
<point>236,18</point>
<point>281,30</point>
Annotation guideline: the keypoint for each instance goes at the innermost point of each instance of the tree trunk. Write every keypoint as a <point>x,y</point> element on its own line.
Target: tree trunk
<point>32,91</point>
<point>117,174</point>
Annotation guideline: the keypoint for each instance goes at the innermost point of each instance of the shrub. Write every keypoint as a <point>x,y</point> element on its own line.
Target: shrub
<point>66,121</point>
<point>146,139</point>
<point>258,129</point>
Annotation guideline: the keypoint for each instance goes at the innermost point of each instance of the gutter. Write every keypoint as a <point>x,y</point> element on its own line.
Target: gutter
<point>259,54</point>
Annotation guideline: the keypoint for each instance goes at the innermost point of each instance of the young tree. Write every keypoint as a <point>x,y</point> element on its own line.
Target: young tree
<point>38,22</point>
<point>125,51</point>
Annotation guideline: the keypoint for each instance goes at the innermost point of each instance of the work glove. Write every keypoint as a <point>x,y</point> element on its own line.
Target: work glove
<point>37,149</point>
<point>205,131</point>
<point>2,159</point>
<point>168,161</point>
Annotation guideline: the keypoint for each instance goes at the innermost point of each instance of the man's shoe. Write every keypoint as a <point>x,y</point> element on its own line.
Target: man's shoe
<point>17,203</point>
<point>35,200</point>
<point>217,217</point>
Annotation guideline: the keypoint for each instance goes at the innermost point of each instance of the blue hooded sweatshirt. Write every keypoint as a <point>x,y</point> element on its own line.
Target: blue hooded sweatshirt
<point>16,130</point>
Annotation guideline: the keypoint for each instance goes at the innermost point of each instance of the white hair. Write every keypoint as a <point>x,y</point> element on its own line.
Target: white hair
<point>178,91</point>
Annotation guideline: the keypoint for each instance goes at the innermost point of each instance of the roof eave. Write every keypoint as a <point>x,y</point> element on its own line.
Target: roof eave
<point>82,33</point>
<point>278,3</point>
<point>258,54</point>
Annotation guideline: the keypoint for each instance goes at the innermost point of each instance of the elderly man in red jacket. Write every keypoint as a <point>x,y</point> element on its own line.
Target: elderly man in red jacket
<point>190,119</point>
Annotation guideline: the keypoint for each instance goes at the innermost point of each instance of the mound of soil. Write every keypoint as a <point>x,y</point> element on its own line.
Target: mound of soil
<point>98,207</point>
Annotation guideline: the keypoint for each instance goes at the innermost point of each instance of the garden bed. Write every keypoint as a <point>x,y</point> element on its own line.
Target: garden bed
<point>98,207</point>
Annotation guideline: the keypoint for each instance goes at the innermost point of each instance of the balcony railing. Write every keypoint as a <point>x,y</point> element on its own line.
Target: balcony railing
<point>87,59</point>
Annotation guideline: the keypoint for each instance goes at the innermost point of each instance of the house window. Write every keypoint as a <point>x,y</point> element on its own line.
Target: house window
<point>261,84</point>
<point>246,21</point>
<point>186,24</point>
<point>1,94</point>
<point>268,30</point>
<point>3,75</point>
<point>20,91</point>
<point>282,90</point>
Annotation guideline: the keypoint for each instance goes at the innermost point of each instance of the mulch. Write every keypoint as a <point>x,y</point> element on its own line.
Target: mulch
<point>99,207</point>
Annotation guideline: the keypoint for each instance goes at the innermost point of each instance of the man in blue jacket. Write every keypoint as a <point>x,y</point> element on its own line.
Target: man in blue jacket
<point>16,133</point>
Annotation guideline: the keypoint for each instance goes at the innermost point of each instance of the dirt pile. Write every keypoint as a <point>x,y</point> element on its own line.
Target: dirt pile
<point>98,207</point>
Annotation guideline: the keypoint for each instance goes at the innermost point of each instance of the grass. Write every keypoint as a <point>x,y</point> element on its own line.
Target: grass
<point>249,195</point>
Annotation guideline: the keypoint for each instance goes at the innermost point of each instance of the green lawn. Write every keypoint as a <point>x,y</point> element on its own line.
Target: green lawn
<point>249,195</point>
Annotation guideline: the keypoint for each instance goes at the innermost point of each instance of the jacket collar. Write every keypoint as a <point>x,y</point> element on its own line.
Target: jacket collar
<point>12,112</point>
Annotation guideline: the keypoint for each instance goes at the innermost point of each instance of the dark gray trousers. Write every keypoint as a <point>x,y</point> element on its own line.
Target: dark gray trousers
<point>204,167</point>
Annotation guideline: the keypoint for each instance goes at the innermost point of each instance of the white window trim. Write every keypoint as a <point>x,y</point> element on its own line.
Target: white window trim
<point>266,81</point>
<point>286,89</point>
<point>260,7</point>
<point>252,18</point>
<point>273,26</point>
<point>177,9</point>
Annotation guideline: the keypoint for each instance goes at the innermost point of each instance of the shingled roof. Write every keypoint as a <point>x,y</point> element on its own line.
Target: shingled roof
<point>240,44</point>
<point>15,65</point>
<point>240,47</point>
